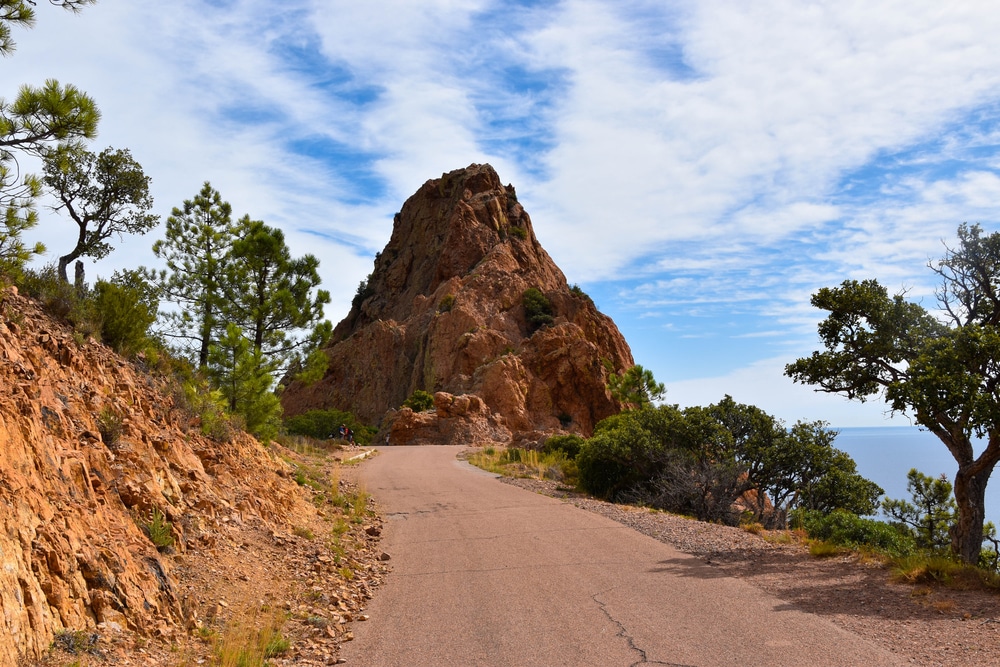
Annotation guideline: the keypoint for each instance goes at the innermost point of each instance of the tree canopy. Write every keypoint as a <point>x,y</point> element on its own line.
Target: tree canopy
<point>36,119</point>
<point>105,195</point>
<point>944,370</point>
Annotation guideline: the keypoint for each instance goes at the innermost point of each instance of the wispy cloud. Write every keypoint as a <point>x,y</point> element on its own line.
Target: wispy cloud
<point>705,165</point>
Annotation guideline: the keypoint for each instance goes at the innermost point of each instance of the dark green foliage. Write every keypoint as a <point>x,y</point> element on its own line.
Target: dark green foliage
<point>519,232</point>
<point>567,444</point>
<point>325,425</point>
<point>419,401</point>
<point>942,371</point>
<point>700,460</point>
<point>269,293</point>
<point>365,290</point>
<point>128,307</point>
<point>105,195</point>
<point>628,450</point>
<point>847,529</point>
<point>538,309</point>
<point>930,515</point>
<point>578,292</point>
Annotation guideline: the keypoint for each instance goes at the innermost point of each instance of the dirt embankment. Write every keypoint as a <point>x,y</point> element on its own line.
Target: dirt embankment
<point>123,528</point>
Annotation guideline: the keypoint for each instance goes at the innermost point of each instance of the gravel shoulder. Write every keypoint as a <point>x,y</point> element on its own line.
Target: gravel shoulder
<point>929,625</point>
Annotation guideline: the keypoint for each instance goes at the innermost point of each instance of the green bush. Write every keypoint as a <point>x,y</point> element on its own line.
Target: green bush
<point>325,424</point>
<point>537,308</point>
<point>419,401</point>
<point>126,315</point>
<point>519,232</point>
<point>843,528</point>
<point>568,444</point>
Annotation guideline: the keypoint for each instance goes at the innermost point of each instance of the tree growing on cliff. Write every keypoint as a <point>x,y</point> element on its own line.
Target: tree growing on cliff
<point>104,194</point>
<point>945,372</point>
<point>538,309</point>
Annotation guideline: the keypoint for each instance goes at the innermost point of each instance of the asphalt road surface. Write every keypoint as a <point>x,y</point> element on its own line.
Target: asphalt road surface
<point>484,573</point>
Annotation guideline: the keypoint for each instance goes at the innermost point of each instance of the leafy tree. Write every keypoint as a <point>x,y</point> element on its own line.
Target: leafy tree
<point>103,194</point>
<point>271,293</point>
<point>244,379</point>
<point>636,388</point>
<point>537,308</point>
<point>931,513</point>
<point>196,250</point>
<point>945,372</point>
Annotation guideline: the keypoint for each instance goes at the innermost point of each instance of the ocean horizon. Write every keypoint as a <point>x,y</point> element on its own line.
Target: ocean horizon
<point>885,454</point>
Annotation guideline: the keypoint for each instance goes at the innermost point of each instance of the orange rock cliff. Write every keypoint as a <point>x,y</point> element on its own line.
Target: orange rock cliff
<point>443,312</point>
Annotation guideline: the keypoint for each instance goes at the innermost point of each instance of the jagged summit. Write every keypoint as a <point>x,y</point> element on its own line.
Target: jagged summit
<point>443,312</point>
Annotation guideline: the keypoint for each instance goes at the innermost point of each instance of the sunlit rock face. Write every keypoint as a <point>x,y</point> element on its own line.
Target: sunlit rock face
<point>444,312</point>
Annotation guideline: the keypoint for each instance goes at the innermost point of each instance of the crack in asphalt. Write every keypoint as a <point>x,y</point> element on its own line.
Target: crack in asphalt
<point>629,640</point>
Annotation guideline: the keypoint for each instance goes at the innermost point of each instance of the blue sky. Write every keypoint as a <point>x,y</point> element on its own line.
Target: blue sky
<point>699,168</point>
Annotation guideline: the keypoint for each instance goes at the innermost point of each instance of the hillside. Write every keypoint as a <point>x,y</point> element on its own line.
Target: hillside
<point>98,457</point>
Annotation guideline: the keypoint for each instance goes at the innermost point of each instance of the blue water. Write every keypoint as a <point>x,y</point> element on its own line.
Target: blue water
<point>885,454</point>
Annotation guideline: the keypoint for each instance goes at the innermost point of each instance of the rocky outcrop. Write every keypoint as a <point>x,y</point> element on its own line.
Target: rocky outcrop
<point>90,447</point>
<point>443,311</point>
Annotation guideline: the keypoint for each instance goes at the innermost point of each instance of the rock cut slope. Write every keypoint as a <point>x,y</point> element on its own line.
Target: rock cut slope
<point>443,311</point>
<point>72,553</point>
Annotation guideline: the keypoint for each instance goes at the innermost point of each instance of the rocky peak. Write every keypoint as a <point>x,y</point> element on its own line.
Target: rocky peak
<point>443,312</point>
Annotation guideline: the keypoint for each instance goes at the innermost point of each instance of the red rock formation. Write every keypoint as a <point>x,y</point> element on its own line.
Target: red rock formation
<point>72,555</point>
<point>443,312</point>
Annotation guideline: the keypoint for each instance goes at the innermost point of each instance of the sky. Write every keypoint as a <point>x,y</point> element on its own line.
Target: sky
<point>699,168</point>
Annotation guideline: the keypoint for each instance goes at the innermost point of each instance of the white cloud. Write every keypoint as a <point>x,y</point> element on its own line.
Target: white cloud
<point>763,384</point>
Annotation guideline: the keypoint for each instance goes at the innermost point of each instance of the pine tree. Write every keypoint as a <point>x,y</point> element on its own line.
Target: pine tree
<point>244,377</point>
<point>271,293</point>
<point>196,249</point>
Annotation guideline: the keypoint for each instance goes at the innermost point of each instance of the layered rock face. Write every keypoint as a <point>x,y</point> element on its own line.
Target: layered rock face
<point>74,489</point>
<point>443,312</point>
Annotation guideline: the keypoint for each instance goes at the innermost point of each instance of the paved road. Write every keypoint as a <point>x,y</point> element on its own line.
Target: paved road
<point>485,573</point>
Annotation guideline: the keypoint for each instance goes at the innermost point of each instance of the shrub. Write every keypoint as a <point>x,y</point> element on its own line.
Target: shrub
<point>519,232</point>
<point>159,530</point>
<point>447,301</point>
<point>109,425</point>
<point>846,529</point>
<point>568,444</point>
<point>126,313</point>
<point>537,309</point>
<point>325,424</point>
<point>419,401</point>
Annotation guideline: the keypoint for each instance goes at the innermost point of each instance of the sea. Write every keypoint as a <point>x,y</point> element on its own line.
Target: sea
<point>885,454</point>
